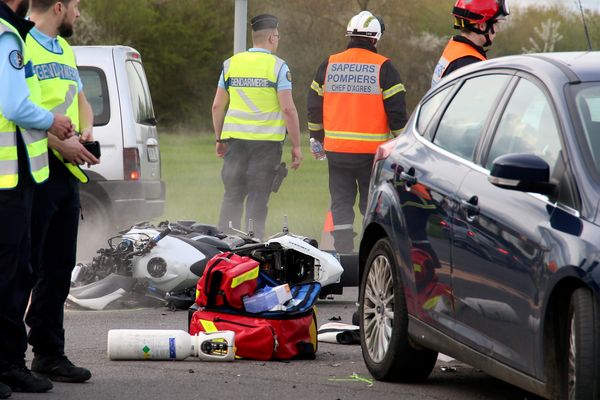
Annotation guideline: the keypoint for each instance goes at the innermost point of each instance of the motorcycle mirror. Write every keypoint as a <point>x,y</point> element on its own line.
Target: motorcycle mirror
<point>286,228</point>
<point>248,234</point>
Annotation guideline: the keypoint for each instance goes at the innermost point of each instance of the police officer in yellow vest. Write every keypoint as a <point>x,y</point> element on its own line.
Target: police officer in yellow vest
<point>252,108</point>
<point>23,163</point>
<point>56,206</point>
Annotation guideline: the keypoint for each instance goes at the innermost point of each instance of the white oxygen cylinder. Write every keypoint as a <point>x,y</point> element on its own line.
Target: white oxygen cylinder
<point>167,344</point>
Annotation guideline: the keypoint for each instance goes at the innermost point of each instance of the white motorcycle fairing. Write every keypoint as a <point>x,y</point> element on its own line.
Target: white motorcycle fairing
<point>167,266</point>
<point>328,269</point>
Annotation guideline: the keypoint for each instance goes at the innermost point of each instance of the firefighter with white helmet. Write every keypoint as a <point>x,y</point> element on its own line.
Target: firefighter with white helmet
<point>357,102</point>
<point>365,24</point>
<point>478,24</point>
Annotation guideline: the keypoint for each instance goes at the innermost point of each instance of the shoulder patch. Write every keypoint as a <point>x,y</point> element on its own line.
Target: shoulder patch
<point>16,59</point>
<point>288,76</point>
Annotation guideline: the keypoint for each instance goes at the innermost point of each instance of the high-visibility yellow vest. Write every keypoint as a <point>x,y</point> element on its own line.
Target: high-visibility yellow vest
<point>254,112</point>
<point>57,74</point>
<point>36,141</point>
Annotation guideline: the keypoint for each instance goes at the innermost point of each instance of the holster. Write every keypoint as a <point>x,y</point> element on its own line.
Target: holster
<point>280,174</point>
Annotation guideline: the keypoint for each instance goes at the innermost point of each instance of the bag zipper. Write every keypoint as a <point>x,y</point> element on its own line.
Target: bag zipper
<point>275,341</point>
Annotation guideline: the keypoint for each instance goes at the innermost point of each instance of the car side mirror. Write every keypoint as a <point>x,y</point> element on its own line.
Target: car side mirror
<point>523,173</point>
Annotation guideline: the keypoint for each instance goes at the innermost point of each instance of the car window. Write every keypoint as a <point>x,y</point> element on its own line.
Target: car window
<point>588,106</point>
<point>429,108</point>
<point>527,126</point>
<point>140,94</point>
<point>464,119</point>
<point>96,92</point>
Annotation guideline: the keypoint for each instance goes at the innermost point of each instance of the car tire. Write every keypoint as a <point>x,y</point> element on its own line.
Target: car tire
<point>94,226</point>
<point>583,346</point>
<point>386,347</point>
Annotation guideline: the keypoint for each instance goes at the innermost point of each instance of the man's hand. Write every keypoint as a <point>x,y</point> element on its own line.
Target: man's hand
<point>61,127</point>
<point>73,151</point>
<point>86,135</point>
<point>221,149</point>
<point>296,157</point>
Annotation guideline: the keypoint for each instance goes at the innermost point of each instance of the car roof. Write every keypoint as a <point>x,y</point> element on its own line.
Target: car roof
<point>556,68</point>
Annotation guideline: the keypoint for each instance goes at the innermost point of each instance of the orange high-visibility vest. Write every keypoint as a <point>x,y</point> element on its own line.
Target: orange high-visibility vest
<point>453,51</point>
<point>354,118</point>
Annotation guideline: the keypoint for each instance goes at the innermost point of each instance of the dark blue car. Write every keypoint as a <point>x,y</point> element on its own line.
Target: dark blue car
<point>482,234</point>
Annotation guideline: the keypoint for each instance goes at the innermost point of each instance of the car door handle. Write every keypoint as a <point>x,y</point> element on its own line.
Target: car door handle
<point>471,206</point>
<point>408,178</point>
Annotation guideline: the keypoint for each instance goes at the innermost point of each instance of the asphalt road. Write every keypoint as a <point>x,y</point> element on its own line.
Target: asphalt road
<point>327,377</point>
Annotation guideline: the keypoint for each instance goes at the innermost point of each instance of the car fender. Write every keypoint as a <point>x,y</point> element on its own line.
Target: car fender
<point>384,218</point>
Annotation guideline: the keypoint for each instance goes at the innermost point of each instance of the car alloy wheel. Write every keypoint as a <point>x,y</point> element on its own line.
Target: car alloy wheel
<point>378,309</point>
<point>581,346</point>
<point>387,350</point>
<point>572,367</point>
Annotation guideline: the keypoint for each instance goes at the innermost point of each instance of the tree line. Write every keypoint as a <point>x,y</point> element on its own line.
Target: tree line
<point>184,42</point>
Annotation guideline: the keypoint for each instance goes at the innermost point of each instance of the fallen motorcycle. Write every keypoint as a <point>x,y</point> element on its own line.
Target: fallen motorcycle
<point>160,265</point>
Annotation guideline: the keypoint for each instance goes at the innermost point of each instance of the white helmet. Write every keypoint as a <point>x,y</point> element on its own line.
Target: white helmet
<point>365,24</point>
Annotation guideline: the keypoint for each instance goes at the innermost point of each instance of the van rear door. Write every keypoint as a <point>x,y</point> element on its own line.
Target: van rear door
<point>144,123</point>
<point>97,72</point>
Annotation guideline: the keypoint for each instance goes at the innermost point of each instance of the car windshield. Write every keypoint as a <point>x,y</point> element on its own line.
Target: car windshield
<point>588,107</point>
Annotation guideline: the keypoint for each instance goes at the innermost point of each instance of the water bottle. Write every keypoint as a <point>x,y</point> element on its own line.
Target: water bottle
<point>317,148</point>
<point>169,344</point>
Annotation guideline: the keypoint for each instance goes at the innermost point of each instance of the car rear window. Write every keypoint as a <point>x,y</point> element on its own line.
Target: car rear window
<point>588,107</point>
<point>464,119</point>
<point>96,92</point>
<point>429,108</point>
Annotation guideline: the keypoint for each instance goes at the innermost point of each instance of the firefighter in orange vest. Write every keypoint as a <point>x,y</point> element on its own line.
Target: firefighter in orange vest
<point>357,102</point>
<point>478,24</point>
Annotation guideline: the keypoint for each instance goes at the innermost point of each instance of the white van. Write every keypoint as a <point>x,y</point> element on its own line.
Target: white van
<point>126,186</point>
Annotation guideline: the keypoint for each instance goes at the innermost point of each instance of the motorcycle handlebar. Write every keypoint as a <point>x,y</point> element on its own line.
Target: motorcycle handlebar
<point>153,242</point>
<point>161,235</point>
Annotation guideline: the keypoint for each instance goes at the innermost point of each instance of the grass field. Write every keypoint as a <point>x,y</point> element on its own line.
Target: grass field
<point>192,173</point>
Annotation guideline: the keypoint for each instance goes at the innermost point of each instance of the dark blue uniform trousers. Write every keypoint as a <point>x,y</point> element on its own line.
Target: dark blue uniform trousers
<point>345,181</point>
<point>55,218</point>
<point>15,270</point>
<point>247,174</point>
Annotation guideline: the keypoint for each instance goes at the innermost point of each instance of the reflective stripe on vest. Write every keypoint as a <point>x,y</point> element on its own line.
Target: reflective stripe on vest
<point>57,74</point>
<point>354,117</point>
<point>254,112</point>
<point>453,51</point>
<point>36,142</point>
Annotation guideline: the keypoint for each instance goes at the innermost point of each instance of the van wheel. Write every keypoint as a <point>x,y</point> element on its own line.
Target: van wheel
<point>387,350</point>
<point>582,375</point>
<point>94,228</point>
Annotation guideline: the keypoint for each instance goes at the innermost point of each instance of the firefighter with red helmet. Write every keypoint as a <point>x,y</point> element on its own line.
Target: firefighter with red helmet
<point>477,21</point>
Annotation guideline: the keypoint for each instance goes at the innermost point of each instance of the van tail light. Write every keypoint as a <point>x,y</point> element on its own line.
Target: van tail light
<point>384,150</point>
<point>131,164</point>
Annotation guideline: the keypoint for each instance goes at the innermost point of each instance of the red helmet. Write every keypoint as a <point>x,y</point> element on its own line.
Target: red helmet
<point>480,11</point>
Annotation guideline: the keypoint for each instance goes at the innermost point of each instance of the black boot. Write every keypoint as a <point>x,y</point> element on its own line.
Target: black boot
<point>20,379</point>
<point>59,368</point>
<point>5,391</point>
